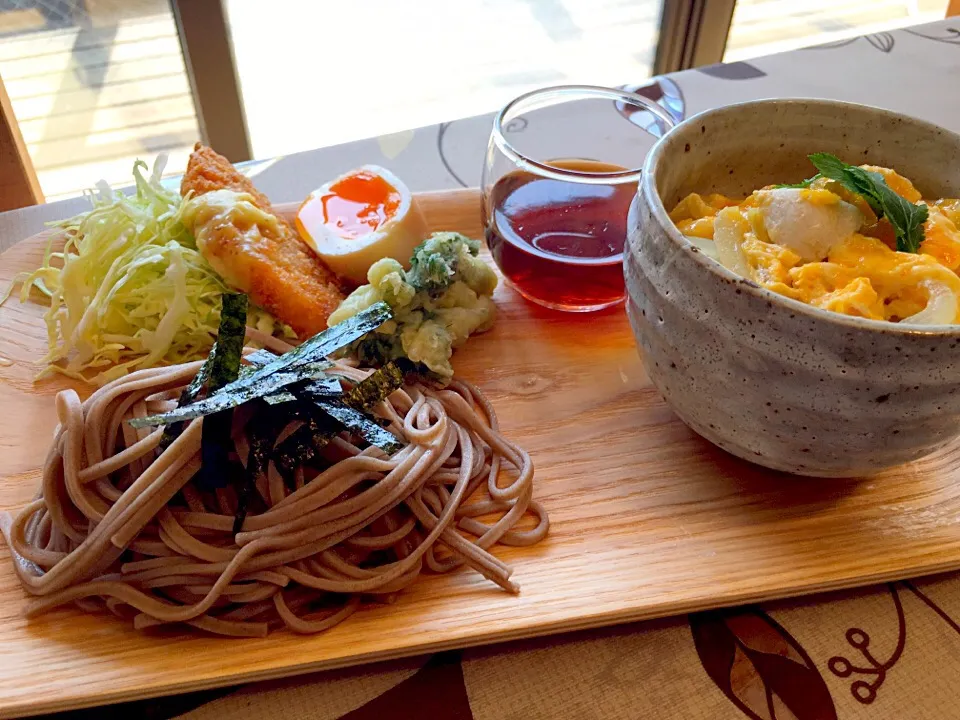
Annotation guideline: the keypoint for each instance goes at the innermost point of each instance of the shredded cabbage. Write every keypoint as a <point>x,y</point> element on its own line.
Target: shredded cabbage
<point>130,288</point>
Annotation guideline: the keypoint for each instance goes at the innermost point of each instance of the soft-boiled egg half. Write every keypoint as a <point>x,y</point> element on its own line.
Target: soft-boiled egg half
<point>361,217</point>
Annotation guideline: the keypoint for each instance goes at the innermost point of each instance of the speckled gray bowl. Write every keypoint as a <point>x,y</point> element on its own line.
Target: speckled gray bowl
<point>770,379</point>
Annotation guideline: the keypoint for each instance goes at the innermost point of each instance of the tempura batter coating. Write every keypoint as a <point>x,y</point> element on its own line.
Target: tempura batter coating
<point>267,260</point>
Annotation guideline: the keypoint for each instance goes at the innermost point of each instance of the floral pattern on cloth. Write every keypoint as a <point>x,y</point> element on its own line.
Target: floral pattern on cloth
<point>877,654</point>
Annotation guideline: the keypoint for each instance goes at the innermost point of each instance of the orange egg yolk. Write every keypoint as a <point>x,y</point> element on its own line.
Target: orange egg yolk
<point>354,206</point>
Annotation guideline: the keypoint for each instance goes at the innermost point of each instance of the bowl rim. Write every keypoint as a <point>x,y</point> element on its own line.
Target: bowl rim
<point>652,197</point>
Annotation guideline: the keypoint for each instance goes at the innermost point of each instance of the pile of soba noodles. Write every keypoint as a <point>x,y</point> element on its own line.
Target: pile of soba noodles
<point>122,524</point>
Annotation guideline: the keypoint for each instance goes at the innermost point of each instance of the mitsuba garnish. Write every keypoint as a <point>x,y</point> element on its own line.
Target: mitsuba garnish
<point>906,217</point>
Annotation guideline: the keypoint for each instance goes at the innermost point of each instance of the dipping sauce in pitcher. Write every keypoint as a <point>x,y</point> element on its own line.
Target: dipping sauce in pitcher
<point>561,243</point>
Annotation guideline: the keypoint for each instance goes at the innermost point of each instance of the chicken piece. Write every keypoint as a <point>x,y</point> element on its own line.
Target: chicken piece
<point>254,250</point>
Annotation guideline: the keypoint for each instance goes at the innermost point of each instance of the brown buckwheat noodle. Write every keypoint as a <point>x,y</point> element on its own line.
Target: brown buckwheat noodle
<point>120,526</point>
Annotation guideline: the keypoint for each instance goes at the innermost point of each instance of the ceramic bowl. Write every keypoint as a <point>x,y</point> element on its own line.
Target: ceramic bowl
<point>769,379</point>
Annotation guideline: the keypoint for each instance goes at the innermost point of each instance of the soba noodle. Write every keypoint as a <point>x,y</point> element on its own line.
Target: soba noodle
<point>120,526</point>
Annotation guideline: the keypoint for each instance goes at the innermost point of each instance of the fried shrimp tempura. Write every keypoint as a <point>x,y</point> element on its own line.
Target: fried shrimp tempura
<point>252,248</point>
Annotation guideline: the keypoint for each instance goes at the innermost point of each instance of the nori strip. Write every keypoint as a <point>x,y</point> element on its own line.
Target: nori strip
<point>293,364</point>
<point>190,393</point>
<point>332,339</point>
<point>363,396</point>
<point>264,428</point>
<point>319,428</point>
<point>223,400</point>
<point>259,358</point>
<point>215,437</point>
<point>309,390</point>
<point>314,391</point>
<point>305,443</point>
<point>375,387</point>
<point>358,423</point>
<point>281,397</point>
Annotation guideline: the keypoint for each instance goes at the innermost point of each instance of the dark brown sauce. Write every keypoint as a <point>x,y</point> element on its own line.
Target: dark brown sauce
<point>561,243</point>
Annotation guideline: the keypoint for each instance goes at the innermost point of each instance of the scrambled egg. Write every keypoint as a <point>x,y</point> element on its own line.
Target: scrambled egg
<point>823,245</point>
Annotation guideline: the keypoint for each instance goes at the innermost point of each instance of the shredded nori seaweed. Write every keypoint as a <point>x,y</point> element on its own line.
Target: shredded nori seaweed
<point>215,438</point>
<point>225,400</point>
<point>376,387</point>
<point>320,345</point>
<point>292,386</point>
<point>315,391</point>
<point>262,430</point>
<point>349,412</point>
<point>259,358</point>
<point>279,398</point>
<point>305,443</point>
<point>327,388</point>
<point>301,363</point>
<point>336,415</point>
<point>190,393</point>
<point>356,422</point>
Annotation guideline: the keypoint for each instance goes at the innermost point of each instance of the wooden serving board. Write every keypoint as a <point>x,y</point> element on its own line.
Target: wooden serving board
<point>647,518</point>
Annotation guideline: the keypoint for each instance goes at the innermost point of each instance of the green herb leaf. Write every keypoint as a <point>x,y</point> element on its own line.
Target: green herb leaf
<point>436,260</point>
<point>906,218</point>
<point>802,185</point>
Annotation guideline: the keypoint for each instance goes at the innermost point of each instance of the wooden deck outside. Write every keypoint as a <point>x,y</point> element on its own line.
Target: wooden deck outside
<point>763,27</point>
<point>98,83</point>
<point>93,98</point>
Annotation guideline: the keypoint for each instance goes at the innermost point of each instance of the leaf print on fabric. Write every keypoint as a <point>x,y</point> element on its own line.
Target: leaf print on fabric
<point>759,666</point>
<point>732,71</point>
<point>758,634</point>
<point>865,691</point>
<point>954,625</point>
<point>882,41</point>
<point>441,132</point>
<point>746,685</point>
<point>832,44</point>
<point>949,35</point>
<point>436,691</point>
